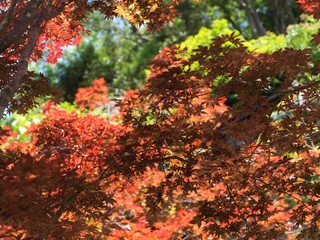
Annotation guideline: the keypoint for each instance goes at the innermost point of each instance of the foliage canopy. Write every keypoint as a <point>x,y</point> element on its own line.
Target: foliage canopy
<point>221,141</point>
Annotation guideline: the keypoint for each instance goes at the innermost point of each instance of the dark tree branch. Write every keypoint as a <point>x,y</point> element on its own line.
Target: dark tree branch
<point>300,88</point>
<point>5,22</point>
<point>59,149</point>
<point>52,13</point>
<point>8,92</point>
<point>20,27</point>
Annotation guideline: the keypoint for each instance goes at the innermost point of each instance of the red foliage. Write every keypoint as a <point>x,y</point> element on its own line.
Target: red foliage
<point>246,150</point>
<point>61,31</point>
<point>93,96</point>
<point>222,144</point>
<point>311,6</point>
<point>40,179</point>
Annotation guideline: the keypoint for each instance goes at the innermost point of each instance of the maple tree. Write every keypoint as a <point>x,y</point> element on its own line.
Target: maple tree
<point>261,149</point>
<point>221,141</point>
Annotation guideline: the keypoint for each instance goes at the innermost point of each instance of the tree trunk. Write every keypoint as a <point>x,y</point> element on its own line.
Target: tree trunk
<point>255,23</point>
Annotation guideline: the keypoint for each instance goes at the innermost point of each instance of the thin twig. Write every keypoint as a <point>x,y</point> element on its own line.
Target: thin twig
<point>300,88</point>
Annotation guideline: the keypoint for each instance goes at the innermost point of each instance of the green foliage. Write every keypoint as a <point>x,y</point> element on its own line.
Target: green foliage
<point>114,51</point>
<point>268,43</point>
<point>205,35</point>
<point>119,52</point>
<point>19,123</point>
<point>298,36</point>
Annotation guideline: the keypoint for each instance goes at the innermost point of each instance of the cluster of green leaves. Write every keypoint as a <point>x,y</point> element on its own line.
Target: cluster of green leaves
<point>298,36</point>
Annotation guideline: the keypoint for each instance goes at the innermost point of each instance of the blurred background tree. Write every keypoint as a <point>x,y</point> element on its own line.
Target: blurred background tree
<point>113,50</point>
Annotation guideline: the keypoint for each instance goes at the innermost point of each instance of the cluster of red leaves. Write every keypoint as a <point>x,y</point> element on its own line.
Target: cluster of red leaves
<point>50,186</point>
<point>69,182</point>
<point>311,6</point>
<point>93,96</point>
<point>61,21</point>
<point>172,221</point>
<point>247,149</point>
<point>182,163</point>
<point>60,32</point>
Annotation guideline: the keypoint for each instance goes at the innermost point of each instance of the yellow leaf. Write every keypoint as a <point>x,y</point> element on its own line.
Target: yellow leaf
<point>153,7</point>
<point>300,180</point>
<point>120,10</point>
<point>31,176</point>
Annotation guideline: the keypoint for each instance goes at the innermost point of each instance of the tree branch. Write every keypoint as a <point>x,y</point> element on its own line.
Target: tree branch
<point>8,92</point>
<point>300,88</point>
<point>5,22</point>
<point>20,27</point>
<point>59,149</point>
<point>52,13</point>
